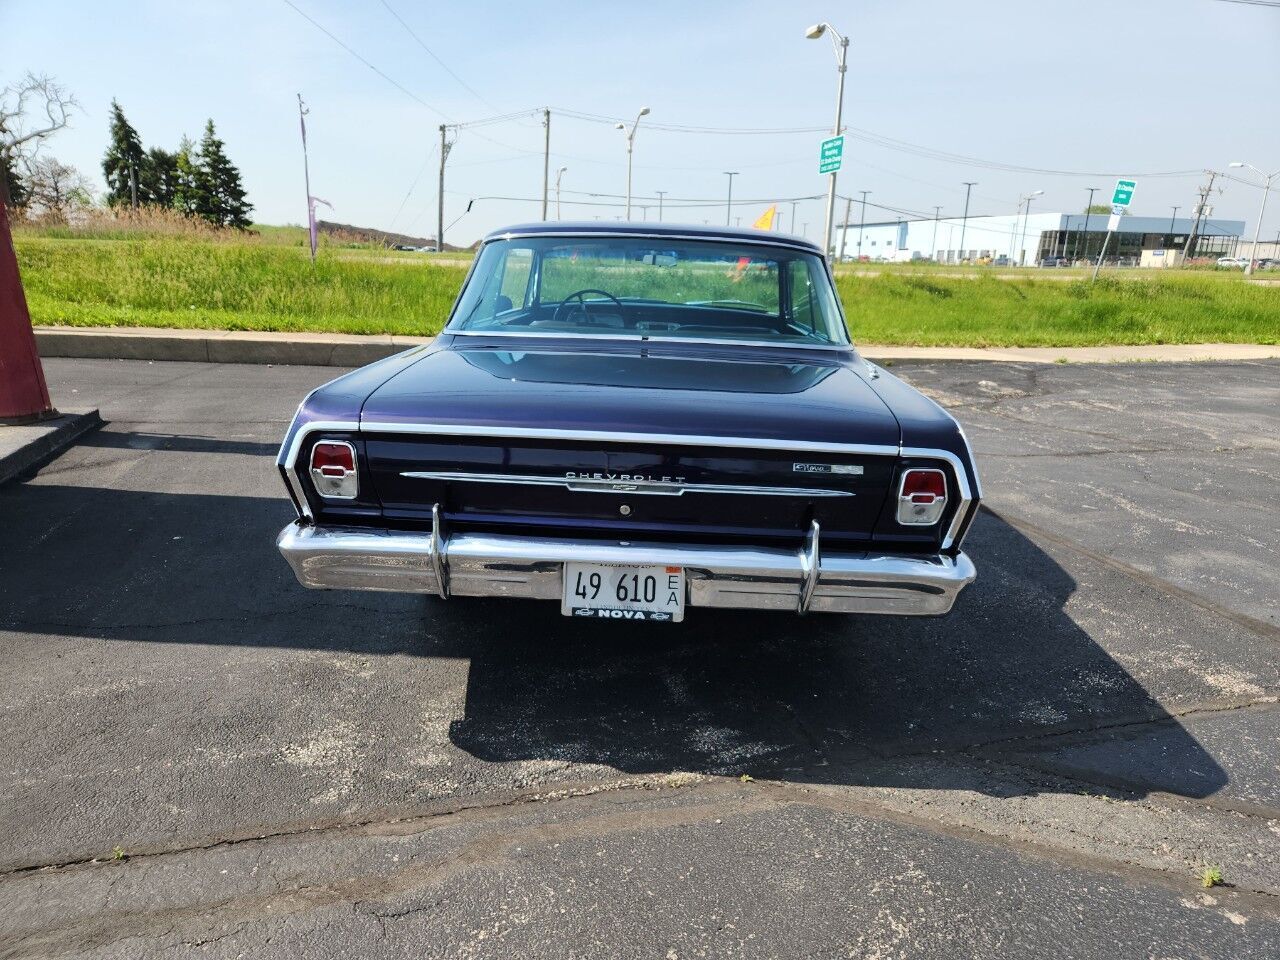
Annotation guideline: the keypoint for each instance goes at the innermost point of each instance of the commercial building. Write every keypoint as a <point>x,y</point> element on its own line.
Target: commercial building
<point>1030,239</point>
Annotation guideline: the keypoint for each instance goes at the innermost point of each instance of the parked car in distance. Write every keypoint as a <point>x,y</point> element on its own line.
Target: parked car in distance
<point>1233,262</point>
<point>1055,262</point>
<point>631,421</point>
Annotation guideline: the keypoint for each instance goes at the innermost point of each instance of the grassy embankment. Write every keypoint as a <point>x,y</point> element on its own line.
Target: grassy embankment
<point>267,283</point>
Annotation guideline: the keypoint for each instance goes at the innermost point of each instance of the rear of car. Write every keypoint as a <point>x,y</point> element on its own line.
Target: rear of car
<point>632,476</point>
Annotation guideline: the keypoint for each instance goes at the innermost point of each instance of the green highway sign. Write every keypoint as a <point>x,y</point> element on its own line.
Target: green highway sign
<point>830,154</point>
<point>1123,194</point>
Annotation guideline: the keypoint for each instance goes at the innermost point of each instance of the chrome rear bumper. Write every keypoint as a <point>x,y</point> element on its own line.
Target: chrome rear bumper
<point>487,565</point>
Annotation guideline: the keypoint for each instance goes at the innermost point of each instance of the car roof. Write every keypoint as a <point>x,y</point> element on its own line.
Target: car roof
<point>684,231</point>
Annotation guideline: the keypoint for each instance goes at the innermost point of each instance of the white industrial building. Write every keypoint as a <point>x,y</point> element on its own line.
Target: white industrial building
<point>1028,240</point>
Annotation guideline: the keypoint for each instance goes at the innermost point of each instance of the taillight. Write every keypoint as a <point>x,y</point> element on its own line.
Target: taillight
<point>922,497</point>
<point>333,469</point>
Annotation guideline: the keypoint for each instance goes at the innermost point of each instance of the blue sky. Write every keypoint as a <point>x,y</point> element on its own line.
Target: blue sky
<point>1105,86</point>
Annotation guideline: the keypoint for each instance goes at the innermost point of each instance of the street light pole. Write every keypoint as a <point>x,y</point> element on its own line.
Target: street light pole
<point>661,194</point>
<point>933,250</point>
<point>1172,218</point>
<point>631,140</point>
<point>841,44</point>
<point>964,224</point>
<point>559,174</point>
<point>1262,211</point>
<point>728,207</point>
<point>862,220</point>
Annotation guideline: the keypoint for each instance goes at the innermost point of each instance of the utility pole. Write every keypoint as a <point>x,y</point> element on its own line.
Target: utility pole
<point>445,145</point>
<point>546,157</point>
<point>933,250</point>
<point>964,224</point>
<point>793,216</point>
<point>1173,217</point>
<point>559,174</point>
<point>661,194</point>
<point>804,230</point>
<point>862,220</point>
<point>1189,249</point>
<point>1087,212</point>
<point>133,186</point>
<point>844,234</point>
<point>728,207</point>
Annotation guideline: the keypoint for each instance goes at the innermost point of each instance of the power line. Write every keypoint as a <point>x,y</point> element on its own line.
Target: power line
<point>391,80</point>
<point>447,69</point>
<point>396,83</point>
<point>868,136</point>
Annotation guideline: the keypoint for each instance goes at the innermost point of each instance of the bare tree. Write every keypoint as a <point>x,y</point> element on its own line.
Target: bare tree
<point>31,110</point>
<point>55,190</point>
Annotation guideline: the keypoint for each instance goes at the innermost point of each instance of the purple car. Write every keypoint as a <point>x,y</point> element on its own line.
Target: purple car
<point>633,420</point>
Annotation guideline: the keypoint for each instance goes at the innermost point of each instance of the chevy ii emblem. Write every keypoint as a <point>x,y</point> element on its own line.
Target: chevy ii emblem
<point>827,468</point>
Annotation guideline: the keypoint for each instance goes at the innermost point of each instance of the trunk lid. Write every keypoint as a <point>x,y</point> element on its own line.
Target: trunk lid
<point>636,440</point>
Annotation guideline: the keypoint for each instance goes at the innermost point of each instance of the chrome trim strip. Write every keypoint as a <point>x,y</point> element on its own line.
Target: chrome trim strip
<point>608,436</point>
<point>649,338</point>
<point>291,456</point>
<point>810,565</point>
<point>962,481</point>
<point>439,552</point>
<point>640,487</point>
<point>764,241</point>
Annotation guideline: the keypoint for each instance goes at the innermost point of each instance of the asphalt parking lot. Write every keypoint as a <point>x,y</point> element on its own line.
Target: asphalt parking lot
<point>281,772</point>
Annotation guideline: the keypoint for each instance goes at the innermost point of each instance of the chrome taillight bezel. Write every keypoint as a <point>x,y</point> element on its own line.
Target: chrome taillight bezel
<point>339,482</point>
<point>915,512</point>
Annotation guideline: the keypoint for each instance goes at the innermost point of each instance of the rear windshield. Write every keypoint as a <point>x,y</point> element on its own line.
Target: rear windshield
<point>635,286</point>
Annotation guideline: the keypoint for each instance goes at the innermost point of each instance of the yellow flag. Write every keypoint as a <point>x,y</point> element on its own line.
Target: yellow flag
<point>766,219</point>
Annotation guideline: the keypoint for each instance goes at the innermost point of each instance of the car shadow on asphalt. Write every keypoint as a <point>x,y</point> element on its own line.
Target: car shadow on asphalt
<point>809,699</point>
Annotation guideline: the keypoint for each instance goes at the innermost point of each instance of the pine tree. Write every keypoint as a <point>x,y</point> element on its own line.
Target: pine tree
<point>17,190</point>
<point>158,179</point>
<point>190,192</point>
<point>226,204</point>
<point>124,160</point>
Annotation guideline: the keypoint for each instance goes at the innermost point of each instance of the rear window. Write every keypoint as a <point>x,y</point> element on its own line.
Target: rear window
<point>633,286</point>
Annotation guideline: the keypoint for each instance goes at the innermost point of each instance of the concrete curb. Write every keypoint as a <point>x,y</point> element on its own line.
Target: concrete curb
<point>219,346</point>
<point>30,446</point>
<point>346,350</point>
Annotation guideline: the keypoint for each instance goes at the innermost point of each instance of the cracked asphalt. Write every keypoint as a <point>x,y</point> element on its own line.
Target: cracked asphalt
<point>287,773</point>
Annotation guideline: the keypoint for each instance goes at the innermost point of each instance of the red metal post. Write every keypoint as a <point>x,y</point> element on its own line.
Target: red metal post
<point>23,394</point>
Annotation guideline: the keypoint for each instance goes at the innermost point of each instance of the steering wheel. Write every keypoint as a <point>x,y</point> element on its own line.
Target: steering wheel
<point>581,297</point>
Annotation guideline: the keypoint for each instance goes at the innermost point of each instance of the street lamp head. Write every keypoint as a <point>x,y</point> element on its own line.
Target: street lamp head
<point>644,111</point>
<point>1037,193</point>
<point>816,31</point>
<point>619,126</point>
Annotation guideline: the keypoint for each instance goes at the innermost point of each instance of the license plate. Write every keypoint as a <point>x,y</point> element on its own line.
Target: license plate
<point>618,592</point>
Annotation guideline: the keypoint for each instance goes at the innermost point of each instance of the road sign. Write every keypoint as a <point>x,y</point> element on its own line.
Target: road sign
<point>830,155</point>
<point>1113,223</point>
<point>1123,194</point>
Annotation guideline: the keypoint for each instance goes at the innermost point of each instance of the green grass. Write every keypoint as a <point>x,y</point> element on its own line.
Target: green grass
<point>230,286</point>
<point>985,311</point>
<point>267,283</point>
